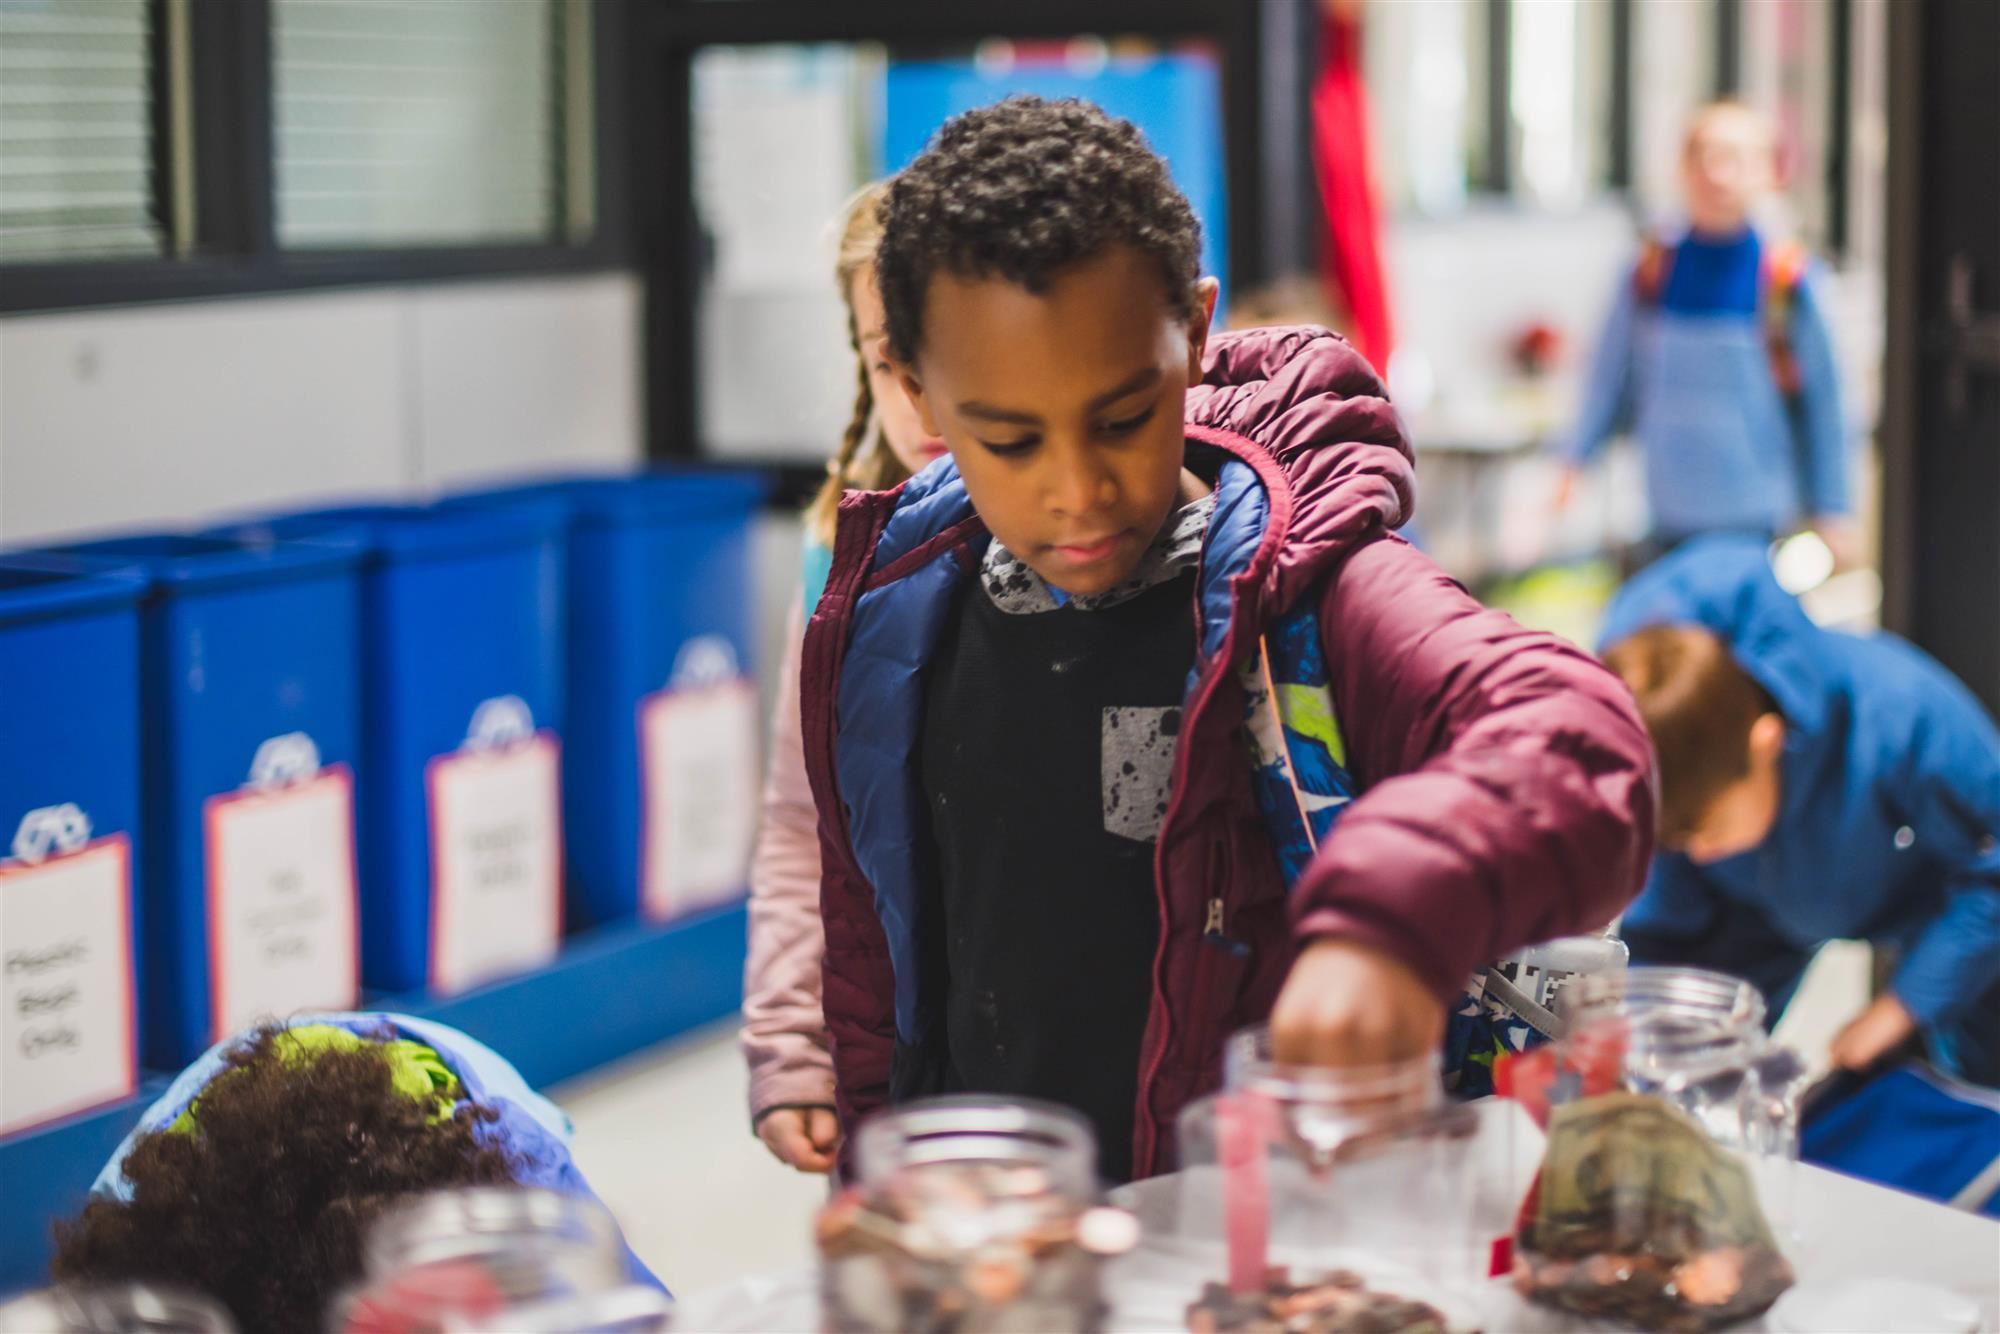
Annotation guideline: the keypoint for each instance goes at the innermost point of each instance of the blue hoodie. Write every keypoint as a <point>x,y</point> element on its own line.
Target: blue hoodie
<point>530,1129</point>
<point>1689,375</point>
<point>1890,800</point>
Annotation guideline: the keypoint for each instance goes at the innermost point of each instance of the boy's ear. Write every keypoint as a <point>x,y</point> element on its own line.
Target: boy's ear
<point>1767,739</point>
<point>1204,319</point>
<point>907,377</point>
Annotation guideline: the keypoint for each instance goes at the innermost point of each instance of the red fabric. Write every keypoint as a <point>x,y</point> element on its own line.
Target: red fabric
<point>1350,199</point>
<point>1506,776</point>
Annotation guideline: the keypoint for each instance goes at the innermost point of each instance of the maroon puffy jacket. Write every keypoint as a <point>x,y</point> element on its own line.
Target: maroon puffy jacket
<point>1506,778</point>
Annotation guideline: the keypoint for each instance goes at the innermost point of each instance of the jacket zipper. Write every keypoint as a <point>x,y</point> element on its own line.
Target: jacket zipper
<point>1145,1130</point>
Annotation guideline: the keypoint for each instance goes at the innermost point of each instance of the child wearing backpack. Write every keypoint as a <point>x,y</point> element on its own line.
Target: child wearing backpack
<point>1136,724</point>
<point>1717,358</point>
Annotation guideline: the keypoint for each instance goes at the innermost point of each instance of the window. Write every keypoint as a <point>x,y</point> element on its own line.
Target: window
<point>1673,72</point>
<point>1559,99</point>
<point>1427,72</point>
<point>77,130</point>
<point>419,122</point>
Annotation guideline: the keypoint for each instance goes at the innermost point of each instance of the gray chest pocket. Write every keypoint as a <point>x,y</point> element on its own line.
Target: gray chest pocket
<point>1136,769</point>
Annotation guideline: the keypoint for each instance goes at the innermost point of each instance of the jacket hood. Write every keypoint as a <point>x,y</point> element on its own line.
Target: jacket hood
<point>1330,463</point>
<point>1725,585</point>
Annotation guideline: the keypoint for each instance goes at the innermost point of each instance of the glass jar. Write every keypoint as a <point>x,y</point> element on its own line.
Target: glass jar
<point>1665,1192</point>
<point>969,1214</point>
<point>113,1308</point>
<point>1340,1196</point>
<point>470,1255</point>
<point>628,1310</point>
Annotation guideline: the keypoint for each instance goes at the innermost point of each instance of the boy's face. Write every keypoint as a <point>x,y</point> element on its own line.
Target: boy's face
<point>1725,166</point>
<point>1063,409</point>
<point>1740,817</point>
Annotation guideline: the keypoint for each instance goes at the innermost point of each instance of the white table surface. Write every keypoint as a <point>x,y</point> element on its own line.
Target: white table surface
<point>1843,1229</point>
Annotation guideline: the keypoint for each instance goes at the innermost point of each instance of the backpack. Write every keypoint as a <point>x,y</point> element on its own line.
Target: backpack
<point>1302,785</point>
<point>1781,269</point>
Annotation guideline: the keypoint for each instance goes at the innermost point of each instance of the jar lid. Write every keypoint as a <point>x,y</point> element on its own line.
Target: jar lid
<point>1888,1305</point>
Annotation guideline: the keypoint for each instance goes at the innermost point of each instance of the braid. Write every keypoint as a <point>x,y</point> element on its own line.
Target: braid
<point>840,468</point>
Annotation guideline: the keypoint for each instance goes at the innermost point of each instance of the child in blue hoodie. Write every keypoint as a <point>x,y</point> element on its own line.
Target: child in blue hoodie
<point>1814,786</point>
<point>255,1176</point>
<point>1716,357</point>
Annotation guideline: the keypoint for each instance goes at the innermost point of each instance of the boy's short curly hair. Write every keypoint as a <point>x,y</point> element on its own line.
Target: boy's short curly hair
<point>265,1209</point>
<point>1022,190</point>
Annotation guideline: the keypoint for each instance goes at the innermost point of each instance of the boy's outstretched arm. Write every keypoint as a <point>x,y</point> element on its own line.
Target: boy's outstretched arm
<point>1607,394</point>
<point>1953,768</point>
<point>1507,799</point>
<point>1824,456</point>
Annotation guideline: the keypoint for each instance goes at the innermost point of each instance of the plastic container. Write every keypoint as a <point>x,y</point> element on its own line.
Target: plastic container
<point>69,815</point>
<point>1664,1197</point>
<point>1512,1005</point>
<point>970,1214</point>
<point>461,839</point>
<point>660,789</point>
<point>470,1259</point>
<point>113,1308</point>
<point>251,663</point>
<point>1349,1192</point>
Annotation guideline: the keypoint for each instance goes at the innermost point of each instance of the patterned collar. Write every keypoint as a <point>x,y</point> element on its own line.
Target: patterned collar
<point>1018,590</point>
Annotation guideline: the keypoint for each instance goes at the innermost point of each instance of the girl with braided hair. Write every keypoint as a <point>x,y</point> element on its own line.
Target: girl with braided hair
<point>784,1037</point>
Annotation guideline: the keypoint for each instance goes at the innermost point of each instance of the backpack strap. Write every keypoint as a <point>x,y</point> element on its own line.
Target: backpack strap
<point>1649,275</point>
<point>1784,268</point>
<point>1300,778</point>
<point>1298,755</point>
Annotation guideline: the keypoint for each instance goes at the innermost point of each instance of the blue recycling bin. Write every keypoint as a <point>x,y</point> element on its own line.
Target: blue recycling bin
<point>660,580</point>
<point>251,661</point>
<point>462,619</point>
<point>69,715</point>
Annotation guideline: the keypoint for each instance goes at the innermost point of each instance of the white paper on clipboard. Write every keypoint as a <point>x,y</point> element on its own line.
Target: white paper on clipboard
<point>698,757</point>
<point>496,861</point>
<point>282,917</point>
<point>67,1041</point>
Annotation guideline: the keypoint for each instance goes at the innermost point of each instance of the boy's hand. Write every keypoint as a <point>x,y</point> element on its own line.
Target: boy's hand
<point>1348,1004</point>
<point>807,1138</point>
<point>1841,538</point>
<point>1878,1031</point>
<point>1565,492</point>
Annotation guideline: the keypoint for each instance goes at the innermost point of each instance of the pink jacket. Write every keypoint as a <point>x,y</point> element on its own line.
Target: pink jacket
<point>784,1034</point>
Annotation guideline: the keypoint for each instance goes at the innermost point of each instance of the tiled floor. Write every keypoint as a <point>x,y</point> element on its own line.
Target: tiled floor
<point>664,1140</point>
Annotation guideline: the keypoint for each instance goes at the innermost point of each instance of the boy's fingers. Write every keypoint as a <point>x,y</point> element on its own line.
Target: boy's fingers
<point>783,1134</point>
<point>823,1128</point>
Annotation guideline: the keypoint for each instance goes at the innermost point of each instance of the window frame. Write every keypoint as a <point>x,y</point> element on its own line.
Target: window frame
<point>234,249</point>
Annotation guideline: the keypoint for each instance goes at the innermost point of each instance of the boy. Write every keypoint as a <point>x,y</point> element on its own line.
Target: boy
<point>1716,355</point>
<point>1814,785</point>
<point>1087,708</point>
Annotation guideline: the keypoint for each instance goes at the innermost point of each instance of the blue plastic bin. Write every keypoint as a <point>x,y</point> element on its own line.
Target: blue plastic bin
<point>251,662</point>
<point>459,608</point>
<point>656,562</point>
<point>69,716</point>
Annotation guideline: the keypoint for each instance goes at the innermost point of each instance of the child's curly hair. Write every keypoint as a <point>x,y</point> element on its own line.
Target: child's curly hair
<point>1021,190</point>
<point>265,1206</point>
